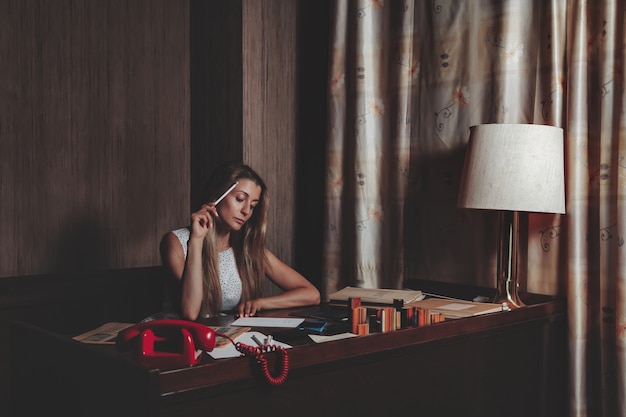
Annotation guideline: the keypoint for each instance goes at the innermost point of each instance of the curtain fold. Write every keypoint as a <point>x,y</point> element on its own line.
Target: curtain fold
<point>406,81</point>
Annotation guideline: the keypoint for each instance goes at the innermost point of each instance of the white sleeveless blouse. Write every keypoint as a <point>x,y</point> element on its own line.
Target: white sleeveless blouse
<point>230,281</point>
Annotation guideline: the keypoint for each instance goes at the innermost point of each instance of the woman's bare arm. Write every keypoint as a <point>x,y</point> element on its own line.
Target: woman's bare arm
<point>185,275</point>
<point>298,291</point>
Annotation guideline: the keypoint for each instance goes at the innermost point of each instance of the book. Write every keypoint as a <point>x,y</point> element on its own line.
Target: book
<point>453,308</point>
<point>230,331</point>
<point>375,295</point>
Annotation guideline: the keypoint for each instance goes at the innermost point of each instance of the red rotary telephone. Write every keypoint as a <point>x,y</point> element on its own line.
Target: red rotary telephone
<point>169,344</point>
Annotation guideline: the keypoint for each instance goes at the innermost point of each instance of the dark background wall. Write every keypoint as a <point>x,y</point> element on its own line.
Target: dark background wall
<point>94,127</point>
<point>112,114</point>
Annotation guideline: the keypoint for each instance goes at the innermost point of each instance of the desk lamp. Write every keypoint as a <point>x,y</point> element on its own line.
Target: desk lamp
<point>513,168</point>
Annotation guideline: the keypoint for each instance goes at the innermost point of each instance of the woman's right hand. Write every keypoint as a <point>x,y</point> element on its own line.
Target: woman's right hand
<point>202,220</point>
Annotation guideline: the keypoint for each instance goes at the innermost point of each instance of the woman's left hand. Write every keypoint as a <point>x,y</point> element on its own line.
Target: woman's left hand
<point>249,308</point>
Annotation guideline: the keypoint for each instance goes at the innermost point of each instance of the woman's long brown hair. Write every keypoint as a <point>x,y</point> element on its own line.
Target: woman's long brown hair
<point>248,244</point>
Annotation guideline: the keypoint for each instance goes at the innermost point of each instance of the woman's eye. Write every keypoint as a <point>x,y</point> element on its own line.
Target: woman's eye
<point>240,200</point>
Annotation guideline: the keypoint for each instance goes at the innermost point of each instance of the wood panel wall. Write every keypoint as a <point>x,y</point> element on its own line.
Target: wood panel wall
<point>104,142</point>
<point>94,127</point>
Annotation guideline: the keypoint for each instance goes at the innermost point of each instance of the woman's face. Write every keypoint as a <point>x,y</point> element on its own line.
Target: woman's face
<point>237,207</point>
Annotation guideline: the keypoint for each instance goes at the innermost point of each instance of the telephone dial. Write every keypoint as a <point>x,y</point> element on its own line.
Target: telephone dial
<point>171,343</point>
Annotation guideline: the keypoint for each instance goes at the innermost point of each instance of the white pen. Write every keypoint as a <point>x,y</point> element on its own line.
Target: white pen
<point>232,187</point>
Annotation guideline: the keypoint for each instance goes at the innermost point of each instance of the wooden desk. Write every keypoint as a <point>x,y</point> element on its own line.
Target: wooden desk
<point>510,363</point>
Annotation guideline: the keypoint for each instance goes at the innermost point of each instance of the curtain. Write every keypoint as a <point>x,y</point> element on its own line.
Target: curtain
<point>406,81</point>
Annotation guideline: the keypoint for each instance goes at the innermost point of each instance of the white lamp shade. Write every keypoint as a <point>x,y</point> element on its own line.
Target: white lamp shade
<point>517,167</point>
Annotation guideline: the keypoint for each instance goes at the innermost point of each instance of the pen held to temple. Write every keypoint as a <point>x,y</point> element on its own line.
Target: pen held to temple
<point>232,187</point>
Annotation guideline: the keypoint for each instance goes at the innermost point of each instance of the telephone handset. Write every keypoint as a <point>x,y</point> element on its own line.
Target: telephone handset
<point>171,343</point>
<point>166,344</point>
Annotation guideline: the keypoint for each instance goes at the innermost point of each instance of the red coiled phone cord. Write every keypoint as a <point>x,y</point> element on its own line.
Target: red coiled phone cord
<point>258,353</point>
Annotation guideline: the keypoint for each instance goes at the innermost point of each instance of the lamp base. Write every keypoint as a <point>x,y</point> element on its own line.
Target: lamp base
<point>507,284</point>
<point>507,293</point>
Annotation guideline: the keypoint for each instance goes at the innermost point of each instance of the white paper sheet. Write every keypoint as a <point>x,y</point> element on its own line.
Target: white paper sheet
<point>320,339</point>
<point>267,322</point>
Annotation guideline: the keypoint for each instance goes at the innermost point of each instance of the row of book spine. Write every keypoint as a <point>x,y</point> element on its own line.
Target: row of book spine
<point>365,320</point>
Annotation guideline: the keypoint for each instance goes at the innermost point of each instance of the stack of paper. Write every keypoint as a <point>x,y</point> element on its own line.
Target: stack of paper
<point>452,308</point>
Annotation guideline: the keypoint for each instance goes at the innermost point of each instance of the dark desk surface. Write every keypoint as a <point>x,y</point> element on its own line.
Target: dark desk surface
<point>303,356</point>
<point>481,360</point>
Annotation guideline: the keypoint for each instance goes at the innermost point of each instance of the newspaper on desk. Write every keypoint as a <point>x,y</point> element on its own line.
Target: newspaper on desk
<point>103,335</point>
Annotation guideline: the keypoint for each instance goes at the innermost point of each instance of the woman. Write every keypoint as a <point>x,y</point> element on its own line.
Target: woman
<point>220,261</point>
